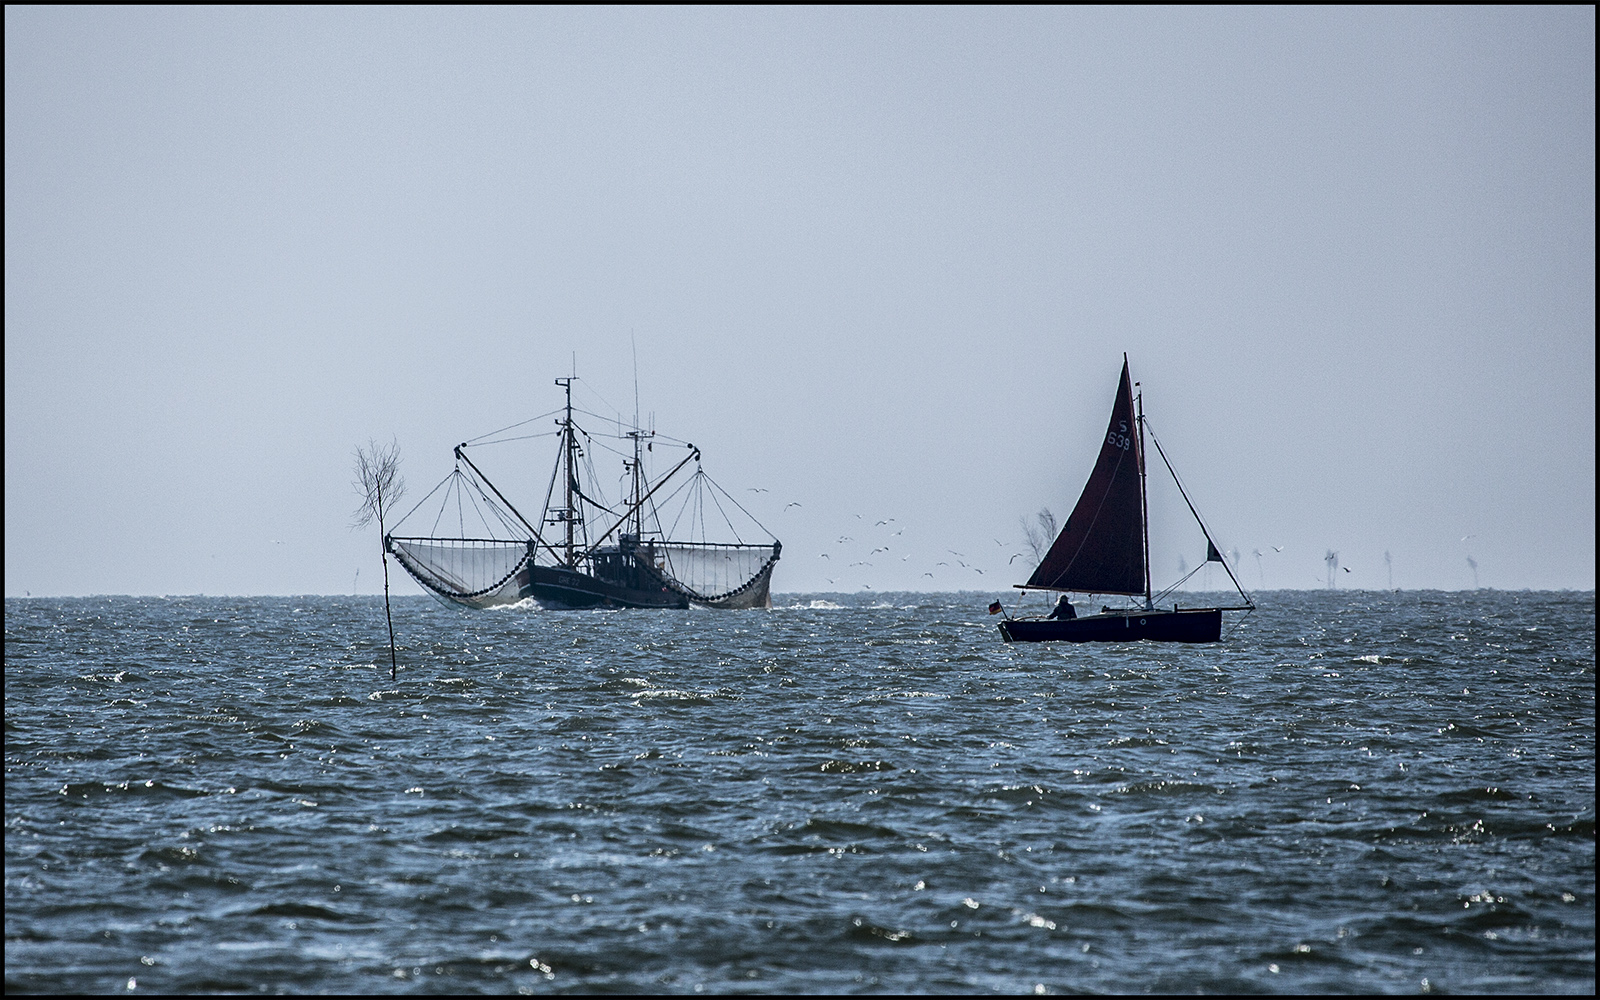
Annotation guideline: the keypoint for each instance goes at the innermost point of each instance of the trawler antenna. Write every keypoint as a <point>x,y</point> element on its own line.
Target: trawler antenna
<point>569,445</point>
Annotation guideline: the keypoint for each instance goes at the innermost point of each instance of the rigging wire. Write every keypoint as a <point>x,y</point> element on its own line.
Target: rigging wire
<point>699,509</point>
<point>461,511</point>
<point>724,513</point>
<point>736,503</point>
<point>444,506</point>
<point>1180,582</point>
<point>482,439</point>
<point>424,500</point>
<point>498,513</point>
<point>1198,519</point>
<point>502,430</point>
<point>524,437</point>
<point>668,499</point>
<point>596,393</point>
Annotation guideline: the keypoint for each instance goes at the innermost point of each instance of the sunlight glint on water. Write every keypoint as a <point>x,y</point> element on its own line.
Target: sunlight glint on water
<point>1355,791</point>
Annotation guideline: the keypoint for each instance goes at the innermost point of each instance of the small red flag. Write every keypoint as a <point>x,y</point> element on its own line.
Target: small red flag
<point>994,608</point>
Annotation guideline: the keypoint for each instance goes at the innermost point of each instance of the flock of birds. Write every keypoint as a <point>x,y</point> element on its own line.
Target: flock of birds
<point>961,565</point>
<point>846,540</point>
<point>883,532</point>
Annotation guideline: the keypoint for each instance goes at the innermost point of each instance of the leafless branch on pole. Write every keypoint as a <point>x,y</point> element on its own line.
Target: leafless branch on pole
<point>378,482</point>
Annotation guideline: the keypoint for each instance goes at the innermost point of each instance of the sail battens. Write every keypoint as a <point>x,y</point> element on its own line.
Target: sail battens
<point>1100,549</point>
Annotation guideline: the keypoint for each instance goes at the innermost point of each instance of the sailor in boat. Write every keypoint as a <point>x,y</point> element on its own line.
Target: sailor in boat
<point>1064,611</point>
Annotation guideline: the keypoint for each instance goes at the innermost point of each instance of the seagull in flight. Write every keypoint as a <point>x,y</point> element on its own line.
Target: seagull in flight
<point>955,553</point>
<point>897,533</point>
<point>1277,548</point>
<point>874,552</point>
<point>880,523</point>
<point>753,489</point>
<point>845,538</point>
<point>791,503</point>
<point>823,556</point>
<point>927,574</point>
<point>1014,557</point>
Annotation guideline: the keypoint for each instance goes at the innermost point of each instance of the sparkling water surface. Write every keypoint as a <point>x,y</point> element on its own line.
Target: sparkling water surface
<point>1368,792</point>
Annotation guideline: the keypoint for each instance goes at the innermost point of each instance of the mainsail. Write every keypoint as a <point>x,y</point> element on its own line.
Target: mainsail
<point>1101,548</point>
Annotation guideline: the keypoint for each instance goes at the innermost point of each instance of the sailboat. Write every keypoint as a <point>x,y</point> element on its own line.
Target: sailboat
<point>584,550</point>
<point>1104,548</point>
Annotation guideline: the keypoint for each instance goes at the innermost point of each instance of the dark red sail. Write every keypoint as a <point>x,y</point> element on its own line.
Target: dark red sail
<point>1101,548</point>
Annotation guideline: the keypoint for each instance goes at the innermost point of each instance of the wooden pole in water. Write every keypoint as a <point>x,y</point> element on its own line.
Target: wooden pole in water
<point>388,615</point>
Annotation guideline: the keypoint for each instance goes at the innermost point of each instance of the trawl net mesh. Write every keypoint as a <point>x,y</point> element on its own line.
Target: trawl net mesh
<point>476,572</point>
<point>733,576</point>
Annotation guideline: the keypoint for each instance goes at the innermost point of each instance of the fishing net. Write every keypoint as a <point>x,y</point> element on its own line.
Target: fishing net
<point>722,576</point>
<point>479,573</point>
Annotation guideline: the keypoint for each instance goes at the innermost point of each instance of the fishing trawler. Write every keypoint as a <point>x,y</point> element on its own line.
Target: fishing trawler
<point>585,551</point>
<point>1104,548</point>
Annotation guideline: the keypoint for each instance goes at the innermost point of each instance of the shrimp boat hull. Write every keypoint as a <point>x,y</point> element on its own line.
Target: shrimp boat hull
<point>1201,625</point>
<point>562,589</point>
<point>631,576</point>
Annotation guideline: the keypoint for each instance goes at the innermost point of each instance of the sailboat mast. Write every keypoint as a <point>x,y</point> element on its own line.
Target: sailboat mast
<point>1144,504</point>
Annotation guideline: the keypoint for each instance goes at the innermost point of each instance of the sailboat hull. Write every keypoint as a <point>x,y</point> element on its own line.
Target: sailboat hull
<point>1199,625</point>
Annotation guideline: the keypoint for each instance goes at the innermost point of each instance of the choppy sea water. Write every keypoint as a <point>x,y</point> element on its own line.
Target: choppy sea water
<point>1353,792</point>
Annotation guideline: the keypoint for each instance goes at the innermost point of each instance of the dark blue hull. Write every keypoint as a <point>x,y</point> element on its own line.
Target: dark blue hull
<point>558,587</point>
<point>1200,625</point>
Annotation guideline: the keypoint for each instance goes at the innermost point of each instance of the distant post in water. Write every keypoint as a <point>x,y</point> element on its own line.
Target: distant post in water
<point>379,484</point>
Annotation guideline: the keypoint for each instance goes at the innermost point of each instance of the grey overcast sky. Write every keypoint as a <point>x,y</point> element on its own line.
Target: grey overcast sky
<point>877,262</point>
